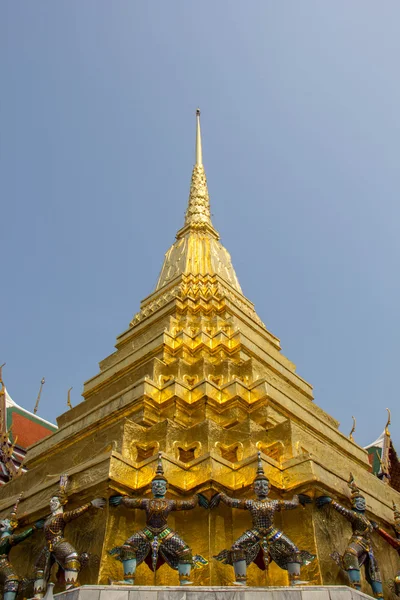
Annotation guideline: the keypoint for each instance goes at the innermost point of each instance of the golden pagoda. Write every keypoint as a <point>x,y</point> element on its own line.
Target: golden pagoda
<point>198,377</point>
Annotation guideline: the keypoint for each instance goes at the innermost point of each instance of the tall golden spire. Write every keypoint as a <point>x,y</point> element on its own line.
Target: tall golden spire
<point>198,211</point>
<point>197,250</point>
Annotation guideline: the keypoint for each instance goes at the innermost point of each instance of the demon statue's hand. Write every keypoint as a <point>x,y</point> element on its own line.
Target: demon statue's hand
<point>322,500</point>
<point>115,500</point>
<point>99,502</point>
<point>39,524</point>
<point>304,499</point>
<point>374,524</point>
<point>215,500</point>
<point>203,501</point>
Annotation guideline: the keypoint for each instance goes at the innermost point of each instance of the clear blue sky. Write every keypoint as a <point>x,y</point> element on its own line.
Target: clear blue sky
<point>301,128</point>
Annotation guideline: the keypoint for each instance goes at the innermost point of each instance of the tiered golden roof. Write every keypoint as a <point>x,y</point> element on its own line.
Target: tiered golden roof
<point>198,377</point>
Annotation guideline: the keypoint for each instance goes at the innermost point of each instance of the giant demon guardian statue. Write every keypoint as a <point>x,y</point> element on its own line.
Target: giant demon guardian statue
<point>58,549</point>
<point>8,577</point>
<point>157,543</point>
<point>263,543</point>
<point>359,550</point>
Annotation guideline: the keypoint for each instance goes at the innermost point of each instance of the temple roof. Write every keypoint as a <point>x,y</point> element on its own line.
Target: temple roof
<point>197,250</point>
<point>19,428</point>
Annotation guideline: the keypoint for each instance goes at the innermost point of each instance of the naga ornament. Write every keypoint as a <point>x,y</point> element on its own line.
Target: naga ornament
<point>157,543</point>
<point>58,549</point>
<point>263,543</point>
<point>9,579</point>
<point>359,550</point>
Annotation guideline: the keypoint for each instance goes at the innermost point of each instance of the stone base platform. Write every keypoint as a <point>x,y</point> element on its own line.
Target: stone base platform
<point>106,592</point>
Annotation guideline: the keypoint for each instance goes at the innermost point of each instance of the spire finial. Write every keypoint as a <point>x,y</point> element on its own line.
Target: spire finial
<point>198,211</point>
<point>199,152</point>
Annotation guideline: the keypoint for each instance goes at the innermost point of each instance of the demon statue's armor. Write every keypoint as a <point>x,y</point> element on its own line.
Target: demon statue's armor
<point>8,578</point>
<point>58,549</point>
<point>393,541</point>
<point>263,543</point>
<point>359,550</point>
<point>157,543</point>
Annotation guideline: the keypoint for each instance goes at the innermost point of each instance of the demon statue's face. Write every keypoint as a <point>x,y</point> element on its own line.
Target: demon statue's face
<point>55,503</point>
<point>159,488</point>
<point>261,488</point>
<point>359,504</point>
<point>5,526</point>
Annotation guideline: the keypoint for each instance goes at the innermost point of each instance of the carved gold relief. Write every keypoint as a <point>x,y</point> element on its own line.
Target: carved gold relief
<point>233,452</point>
<point>142,451</point>
<point>275,450</point>
<point>187,451</point>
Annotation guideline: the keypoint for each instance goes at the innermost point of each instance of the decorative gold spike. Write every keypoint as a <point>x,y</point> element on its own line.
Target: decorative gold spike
<point>39,394</point>
<point>352,430</point>
<point>1,373</point>
<point>387,432</point>
<point>69,398</point>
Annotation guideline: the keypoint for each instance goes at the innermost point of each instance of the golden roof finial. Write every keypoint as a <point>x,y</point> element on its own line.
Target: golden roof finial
<point>199,152</point>
<point>352,430</point>
<point>387,432</point>
<point>69,398</point>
